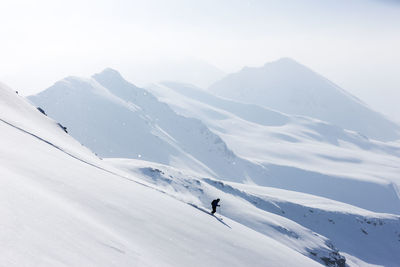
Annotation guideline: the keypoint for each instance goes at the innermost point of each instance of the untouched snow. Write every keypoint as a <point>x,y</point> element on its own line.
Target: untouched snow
<point>248,143</point>
<point>288,86</point>
<point>117,119</point>
<point>308,224</point>
<point>60,209</point>
<point>18,112</point>
<point>64,206</point>
<point>299,153</point>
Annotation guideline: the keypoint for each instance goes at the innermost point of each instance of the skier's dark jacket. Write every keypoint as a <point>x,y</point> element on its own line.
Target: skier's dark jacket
<point>214,203</point>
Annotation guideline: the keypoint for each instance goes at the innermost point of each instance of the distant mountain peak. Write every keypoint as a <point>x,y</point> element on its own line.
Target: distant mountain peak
<point>109,73</point>
<point>287,64</point>
<point>283,60</point>
<point>111,78</point>
<point>290,87</point>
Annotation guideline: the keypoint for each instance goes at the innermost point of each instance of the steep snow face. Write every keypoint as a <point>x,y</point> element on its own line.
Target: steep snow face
<point>63,209</point>
<point>18,112</point>
<point>287,86</point>
<point>117,119</point>
<point>317,227</point>
<point>299,153</point>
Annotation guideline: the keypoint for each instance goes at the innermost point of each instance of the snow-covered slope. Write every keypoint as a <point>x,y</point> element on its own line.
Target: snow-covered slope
<point>300,153</point>
<point>117,119</point>
<point>248,112</point>
<point>18,112</point>
<point>314,226</point>
<point>61,206</point>
<point>288,86</point>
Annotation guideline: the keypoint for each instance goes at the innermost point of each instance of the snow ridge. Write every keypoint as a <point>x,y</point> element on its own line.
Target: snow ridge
<point>290,87</point>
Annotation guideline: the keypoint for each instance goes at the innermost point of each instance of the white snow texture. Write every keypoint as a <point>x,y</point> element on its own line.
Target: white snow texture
<point>130,184</point>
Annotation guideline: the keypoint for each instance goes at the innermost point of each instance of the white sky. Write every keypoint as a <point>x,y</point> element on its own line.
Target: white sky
<point>354,43</point>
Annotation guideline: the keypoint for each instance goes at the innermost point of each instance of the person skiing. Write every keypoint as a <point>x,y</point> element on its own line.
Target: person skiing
<point>214,205</point>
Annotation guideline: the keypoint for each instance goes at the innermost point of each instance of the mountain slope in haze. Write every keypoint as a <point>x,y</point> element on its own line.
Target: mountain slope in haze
<point>300,153</point>
<point>249,112</point>
<point>290,87</point>
<point>117,119</point>
<point>64,209</point>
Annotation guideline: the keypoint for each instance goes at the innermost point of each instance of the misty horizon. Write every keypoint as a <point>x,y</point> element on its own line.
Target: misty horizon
<point>352,43</point>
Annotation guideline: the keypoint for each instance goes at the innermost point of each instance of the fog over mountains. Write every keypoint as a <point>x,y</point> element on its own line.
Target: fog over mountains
<point>306,173</point>
<point>290,87</point>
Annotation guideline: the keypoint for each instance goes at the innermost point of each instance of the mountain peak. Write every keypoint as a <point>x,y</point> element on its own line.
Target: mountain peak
<point>109,73</point>
<point>284,62</point>
<point>112,79</point>
<point>290,87</point>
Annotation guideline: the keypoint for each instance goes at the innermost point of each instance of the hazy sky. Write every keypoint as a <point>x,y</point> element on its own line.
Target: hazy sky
<point>354,43</point>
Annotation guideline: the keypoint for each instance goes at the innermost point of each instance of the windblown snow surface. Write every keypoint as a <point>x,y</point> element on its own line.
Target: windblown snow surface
<point>295,191</point>
<point>246,143</point>
<point>63,206</point>
<point>299,153</point>
<point>114,118</point>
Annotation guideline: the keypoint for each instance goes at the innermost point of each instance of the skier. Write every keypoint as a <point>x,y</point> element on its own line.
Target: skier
<point>214,205</point>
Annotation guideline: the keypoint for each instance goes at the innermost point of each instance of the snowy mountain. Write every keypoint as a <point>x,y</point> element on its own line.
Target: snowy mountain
<point>299,153</point>
<point>290,87</point>
<point>63,206</point>
<point>117,119</point>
